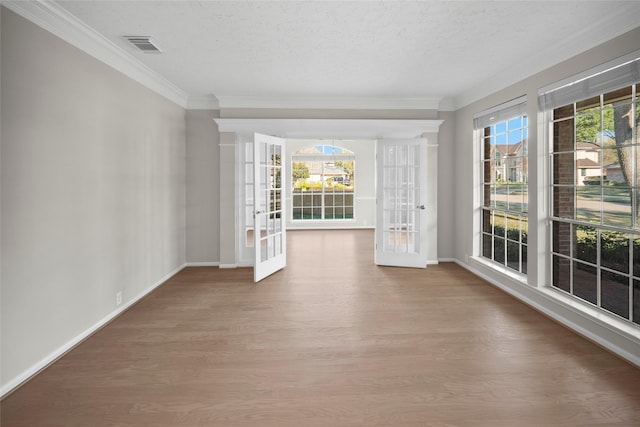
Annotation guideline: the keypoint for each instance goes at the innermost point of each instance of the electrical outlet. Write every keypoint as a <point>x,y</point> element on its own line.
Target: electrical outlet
<point>118,298</point>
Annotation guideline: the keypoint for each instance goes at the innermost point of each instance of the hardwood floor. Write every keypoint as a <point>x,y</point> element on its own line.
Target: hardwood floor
<point>332,340</point>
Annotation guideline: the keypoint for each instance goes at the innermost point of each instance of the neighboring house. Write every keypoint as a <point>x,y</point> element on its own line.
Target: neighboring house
<point>330,171</point>
<point>510,162</point>
<point>587,161</point>
<point>587,168</point>
<point>613,172</point>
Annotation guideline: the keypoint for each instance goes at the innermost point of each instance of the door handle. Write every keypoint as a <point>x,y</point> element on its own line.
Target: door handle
<point>421,207</point>
<point>257,212</point>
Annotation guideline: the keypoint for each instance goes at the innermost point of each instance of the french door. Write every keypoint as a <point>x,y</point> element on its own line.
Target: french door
<point>269,228</point>
<point>401,216</point>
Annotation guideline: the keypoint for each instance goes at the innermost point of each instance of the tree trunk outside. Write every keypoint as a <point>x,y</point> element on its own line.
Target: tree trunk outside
<point>628,154</point>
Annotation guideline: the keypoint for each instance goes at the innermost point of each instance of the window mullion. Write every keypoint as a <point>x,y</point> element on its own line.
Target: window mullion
<point>322,182</point>
<point>631,274</point>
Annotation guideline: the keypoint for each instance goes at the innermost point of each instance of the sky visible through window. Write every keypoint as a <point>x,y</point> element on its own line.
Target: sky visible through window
<point>330,149</point>
<point>509,132</point>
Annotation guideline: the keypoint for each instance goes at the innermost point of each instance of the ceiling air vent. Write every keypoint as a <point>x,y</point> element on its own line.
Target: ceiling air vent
<point>144,44</point>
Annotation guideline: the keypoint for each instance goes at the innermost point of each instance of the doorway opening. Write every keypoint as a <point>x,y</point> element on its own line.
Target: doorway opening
<point>236,133</point>
<point>323,191</point>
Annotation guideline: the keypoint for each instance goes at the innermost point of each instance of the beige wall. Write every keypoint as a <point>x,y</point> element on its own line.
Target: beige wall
<point>203,187</point>
<point>93,193</point>
<point>448,169</point>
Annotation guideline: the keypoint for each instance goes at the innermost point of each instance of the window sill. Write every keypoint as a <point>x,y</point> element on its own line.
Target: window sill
<point>512,275</point>
<point>609,320</point>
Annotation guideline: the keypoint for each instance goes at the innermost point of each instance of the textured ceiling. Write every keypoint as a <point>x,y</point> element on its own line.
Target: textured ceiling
<point>355,49</point>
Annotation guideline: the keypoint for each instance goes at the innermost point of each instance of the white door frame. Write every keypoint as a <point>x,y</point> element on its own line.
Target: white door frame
<point>233,132</point>
<point>402,209</point>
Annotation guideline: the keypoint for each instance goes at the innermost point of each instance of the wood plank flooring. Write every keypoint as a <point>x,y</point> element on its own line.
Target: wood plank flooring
<point>332,340</point>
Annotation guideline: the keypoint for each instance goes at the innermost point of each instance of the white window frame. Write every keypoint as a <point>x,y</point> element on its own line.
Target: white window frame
<point>606,78</point>
<point>323,158</point>
<point>502,112</point>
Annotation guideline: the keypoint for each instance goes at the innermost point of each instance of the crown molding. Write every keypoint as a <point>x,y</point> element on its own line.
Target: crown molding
<point>330,128</point>
<point>55,19</point>
<point>340,103</point>
<point>621,20</point>
<point>205,102</point>
<point>447,104</point>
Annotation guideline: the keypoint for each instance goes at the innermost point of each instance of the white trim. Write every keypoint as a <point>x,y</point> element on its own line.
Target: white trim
<point>206,102</point>
<point>244,264</point>
<point>331,225</point>
<point>202,264</point>
<point>570,314</point>
<point>330,128</point>
<point>227,265</point>
<point>16,382</point>
<point>297,102</point>
<point>518,277</point>
<point>447,104</point>
<point>58,21</point>
<point>433,261</point>
<point>622,19</point>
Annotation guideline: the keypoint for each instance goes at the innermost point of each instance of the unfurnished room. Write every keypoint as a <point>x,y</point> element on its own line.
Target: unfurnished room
<point>320,213</point>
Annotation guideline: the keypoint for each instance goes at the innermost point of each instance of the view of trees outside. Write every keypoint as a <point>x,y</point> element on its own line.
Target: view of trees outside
<point>323,190</point>
<point>596,231</point>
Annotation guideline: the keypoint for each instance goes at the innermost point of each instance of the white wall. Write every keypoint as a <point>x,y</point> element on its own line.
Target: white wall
<point>364,201</point>
<point>93,194</point>
<point>623,340</point>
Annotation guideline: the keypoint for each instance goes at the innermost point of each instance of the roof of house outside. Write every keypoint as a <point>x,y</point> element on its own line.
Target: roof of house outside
<point>587,164</point>
<point>587,146</point>
<point>509,149</point>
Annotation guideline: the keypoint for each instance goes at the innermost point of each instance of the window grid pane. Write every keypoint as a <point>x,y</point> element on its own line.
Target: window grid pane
<point>505,193</point>
<point>595,202</point>
<point>322,189</point>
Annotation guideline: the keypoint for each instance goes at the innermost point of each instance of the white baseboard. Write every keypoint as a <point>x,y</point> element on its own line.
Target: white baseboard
<point>328,227</point>
<point>202,264</point>
<point>69,345</point>
<point>228,265</point>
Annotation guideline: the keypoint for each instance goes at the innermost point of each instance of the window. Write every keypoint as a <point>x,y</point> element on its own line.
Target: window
<point>504,138</point>
<point>323,183</point>
<point>595,189</point>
